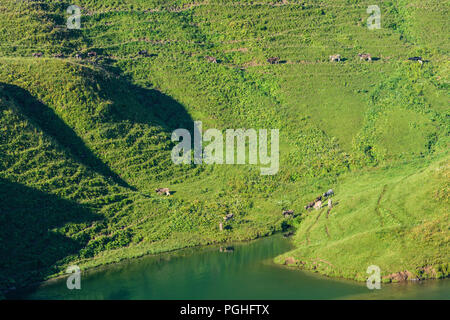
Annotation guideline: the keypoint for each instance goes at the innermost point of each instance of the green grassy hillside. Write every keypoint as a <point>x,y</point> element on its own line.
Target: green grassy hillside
<point>85,142</point>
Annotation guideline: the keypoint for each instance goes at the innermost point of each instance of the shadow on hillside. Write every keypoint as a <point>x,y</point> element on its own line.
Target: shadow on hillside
<point>28,247</point>
<point>52,125</point>
<point>141,105</point>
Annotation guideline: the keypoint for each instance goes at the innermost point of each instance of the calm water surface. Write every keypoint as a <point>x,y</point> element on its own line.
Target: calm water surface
<point>206,273</point>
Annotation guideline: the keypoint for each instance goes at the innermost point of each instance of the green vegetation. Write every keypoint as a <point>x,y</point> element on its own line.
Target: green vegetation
<point>85,142</point>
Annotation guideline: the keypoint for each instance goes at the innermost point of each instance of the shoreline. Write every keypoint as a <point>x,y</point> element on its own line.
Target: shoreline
<point>101,267</point>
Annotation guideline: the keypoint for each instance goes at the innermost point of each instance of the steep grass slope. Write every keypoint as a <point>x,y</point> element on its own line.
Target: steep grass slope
<point>91,136</point>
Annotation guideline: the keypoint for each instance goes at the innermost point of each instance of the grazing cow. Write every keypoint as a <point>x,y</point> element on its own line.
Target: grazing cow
<point>335,57</point>
<point>330,203</point>
<point>309,205</point>
<point>418,59</point>
<point>228,217</point>
<point>289,234</point>
<point>288,213</point>
<point>365,56</point>
<point>273,60</point>
<point>92,54</point>
<point>318,205</point>
<point>161,191</point>
<point>211,59</point>
<point>328,193</point>
<point>38,54</point>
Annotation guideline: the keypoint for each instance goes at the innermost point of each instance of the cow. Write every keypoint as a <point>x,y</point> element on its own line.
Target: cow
<point>143,53</point>
<point>328,193</point>
<point>161,191</point>
<point>365,56</point>
<point>289,234</point>
<point>273,60</point>
<point>335,57</point>
<point>38,54</point>
<point>309,205</point>
<point>92,54</point>
<point>318,205</point>
<point>221,226</point>
<point>418,59</point>
<point>58,55</point>
<point>288,213</point>
<point>211,59</point>
<point>228,217</point>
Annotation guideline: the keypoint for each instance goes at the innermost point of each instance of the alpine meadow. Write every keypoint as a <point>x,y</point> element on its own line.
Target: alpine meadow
<point>87,116</point>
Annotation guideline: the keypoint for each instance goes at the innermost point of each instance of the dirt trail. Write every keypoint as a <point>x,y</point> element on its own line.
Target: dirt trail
<point>377,208</point>
<point>327,232</point>
<point>312,225</point>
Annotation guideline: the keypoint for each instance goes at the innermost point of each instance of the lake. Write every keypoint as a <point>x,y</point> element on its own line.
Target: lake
<point>247,272</point>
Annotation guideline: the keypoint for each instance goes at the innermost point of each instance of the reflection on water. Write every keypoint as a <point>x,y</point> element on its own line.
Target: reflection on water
<point>247,272</point>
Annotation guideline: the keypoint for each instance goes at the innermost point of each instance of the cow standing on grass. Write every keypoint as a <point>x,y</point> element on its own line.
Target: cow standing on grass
<point>310,205</point>
<point>329,193</point>
<point>228,217</point>
<point>418,59</point>
<point>288,213</point>
<point>365,56</point>
<point>318,205</point>
<point>335,57</point>
<point>273,60</point>
<point>211,59</point>
<point>162,191</point>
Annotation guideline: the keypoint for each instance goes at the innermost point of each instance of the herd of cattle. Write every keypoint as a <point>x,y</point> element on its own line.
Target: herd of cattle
<point>317,202</point>
<point>271,60</point>
<point>362,56</point>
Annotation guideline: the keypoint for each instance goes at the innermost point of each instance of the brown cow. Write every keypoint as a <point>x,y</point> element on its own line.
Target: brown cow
<point>161,191</point>
<point>211,59</point>
<point>309,205</point>
<point>288,213</point>
<point>273,60</point>
<point>365,56</point>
